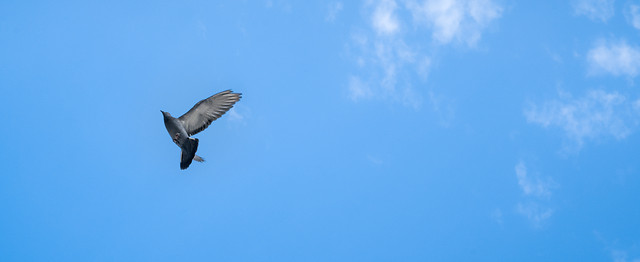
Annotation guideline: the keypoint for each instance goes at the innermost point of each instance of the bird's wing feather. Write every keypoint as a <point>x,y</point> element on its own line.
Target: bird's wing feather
<point>208,110</point>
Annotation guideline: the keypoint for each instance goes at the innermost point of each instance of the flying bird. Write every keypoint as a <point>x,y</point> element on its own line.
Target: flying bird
<point>197,119</point>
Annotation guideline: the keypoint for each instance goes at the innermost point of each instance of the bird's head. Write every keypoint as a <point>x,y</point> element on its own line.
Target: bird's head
<point>165,114</point>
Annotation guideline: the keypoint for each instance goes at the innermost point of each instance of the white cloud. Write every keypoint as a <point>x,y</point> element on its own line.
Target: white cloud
<point>535,191</point>
<point>443,107</point>
<point>239,114</point>
<point>633,15</point>
<point>282,5</point>
<point>620,251</point>
<point>390,60</point>
<point>621,256</point>
<point>235,116</point>
<point>496,215</point>
<point>384,19</point>
<point>444,15</point>
<point>532,186</point>
<point>534,212</point>
<point>357,89</point>
<point>459,20</point>
<point>383,58</point>
<point>202,28</point>
<point>484,11</point>
<point>375,160</point>
<point>334,9</point>
<point>594,9</point>
<point>616,58</point>
<point>597,114</point>
<point>386,63</point>
<point>424,66</point>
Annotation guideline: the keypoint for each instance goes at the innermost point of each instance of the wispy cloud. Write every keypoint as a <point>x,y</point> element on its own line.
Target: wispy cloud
<point>633,15</point>
<point>391,62</point>
<point>532,186</point>
<point>600,10</point>
<point>234,115</point>
<point>443,107</point>
<point>596,114</point>
<point>387,64</point>
<point>384,19</point>
<point>239,114</point>
<point>357,89</point>
<point>202,28</point>
<point>333,10</point>
<point>616,58</point>
<point>282,5</point>
<point>534,212</point>
<point>385,59</point>
<point>536,191</point>
<point>622,256</point>
<point>496,215</point>
<point>620,251</point>
<point>375,160</point>
<point>455,20</point>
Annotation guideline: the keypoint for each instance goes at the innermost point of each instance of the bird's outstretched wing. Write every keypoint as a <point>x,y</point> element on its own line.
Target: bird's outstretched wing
<point>208,110</point>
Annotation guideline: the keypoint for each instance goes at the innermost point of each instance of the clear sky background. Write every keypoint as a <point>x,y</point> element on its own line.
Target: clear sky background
<point>406,130</point>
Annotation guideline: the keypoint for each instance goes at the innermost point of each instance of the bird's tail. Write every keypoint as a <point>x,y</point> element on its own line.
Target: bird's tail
<point>188,152</point>
<point>198,158</point>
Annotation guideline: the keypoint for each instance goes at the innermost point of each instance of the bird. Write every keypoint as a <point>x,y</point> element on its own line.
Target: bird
<point>195,120</point>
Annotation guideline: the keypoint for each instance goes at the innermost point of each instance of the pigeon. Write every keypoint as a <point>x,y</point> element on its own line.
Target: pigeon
<point>197,119</point>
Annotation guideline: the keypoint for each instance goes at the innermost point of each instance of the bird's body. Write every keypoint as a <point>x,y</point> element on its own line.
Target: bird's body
<point>197,119</point>
<point>176,130</point>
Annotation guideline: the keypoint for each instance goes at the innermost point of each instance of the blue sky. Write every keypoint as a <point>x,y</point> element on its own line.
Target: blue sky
<point>389,130</point>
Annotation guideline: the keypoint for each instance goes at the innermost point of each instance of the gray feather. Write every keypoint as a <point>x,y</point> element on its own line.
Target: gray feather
<point>208,110</point>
